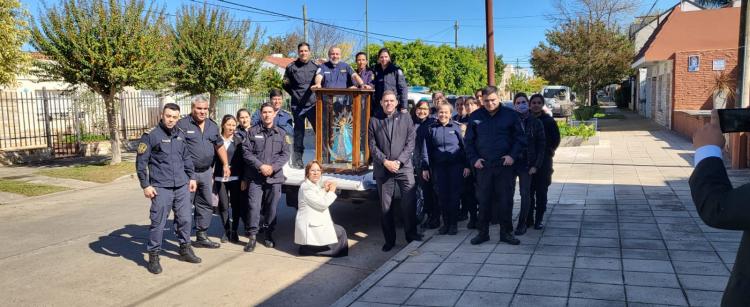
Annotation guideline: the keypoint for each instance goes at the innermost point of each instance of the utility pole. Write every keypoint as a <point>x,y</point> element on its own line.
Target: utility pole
<point>490,43</point>
<point>304,22</point>
<point>455,34</point>
<point>367,35</point>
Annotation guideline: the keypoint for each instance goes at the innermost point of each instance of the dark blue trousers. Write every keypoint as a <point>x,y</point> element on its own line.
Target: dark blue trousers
<point>448,181</point>
<point>263,199</point>
<point>493,191</point>
<point>204,212</point>
<point>177,199</point>
<point>299,127</point>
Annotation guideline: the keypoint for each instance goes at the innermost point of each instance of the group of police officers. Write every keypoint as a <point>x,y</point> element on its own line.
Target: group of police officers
<point>481,149</point>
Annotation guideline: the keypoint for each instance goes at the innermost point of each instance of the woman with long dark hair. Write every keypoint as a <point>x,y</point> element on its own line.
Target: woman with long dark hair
<point>229,189</point>
<point>388,77</point>
<point>420,115</point>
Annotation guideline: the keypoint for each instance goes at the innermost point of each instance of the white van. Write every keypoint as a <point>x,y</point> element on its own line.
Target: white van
<point>560,99</point>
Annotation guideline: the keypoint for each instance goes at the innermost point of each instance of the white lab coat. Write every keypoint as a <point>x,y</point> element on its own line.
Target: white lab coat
<point>313,225</point>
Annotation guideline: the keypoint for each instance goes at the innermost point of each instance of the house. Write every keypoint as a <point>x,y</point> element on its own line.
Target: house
<point>687,49</point>
<point>277,61</point>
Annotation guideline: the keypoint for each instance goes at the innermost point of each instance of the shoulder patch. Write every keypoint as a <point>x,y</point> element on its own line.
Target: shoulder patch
<point>142,148</point>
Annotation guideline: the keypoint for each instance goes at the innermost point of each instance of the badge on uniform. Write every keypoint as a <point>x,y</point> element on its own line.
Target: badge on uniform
<point>166,141</point>
<point>258,136</point>
<point>142,148</point>
<point>343,71</point>
<point>190,131</point>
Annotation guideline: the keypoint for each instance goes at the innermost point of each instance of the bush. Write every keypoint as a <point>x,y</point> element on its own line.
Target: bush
<point>585,112</point>
<point>85,138</point>
<point>582,130</point>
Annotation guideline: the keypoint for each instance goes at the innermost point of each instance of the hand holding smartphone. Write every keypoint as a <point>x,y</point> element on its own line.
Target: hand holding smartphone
<point>734,120</point>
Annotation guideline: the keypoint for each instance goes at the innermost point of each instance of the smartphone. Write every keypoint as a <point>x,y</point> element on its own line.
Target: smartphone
<point>734,120</point>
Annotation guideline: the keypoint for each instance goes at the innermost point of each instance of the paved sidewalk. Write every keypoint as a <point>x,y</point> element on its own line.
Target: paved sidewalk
<point>621,231</point>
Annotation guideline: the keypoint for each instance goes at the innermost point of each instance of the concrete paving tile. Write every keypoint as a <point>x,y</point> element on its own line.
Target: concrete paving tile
<point>565,241</point>
<point>410,280</point>
<point>561,224</point>
<point>599,242</point>
<point>605,252</point>
<point>543,287</point>
<point>514,249</point>
<point>389,295</point>
<point>667,280</point>
<point>520,300</point>
<point>438,247</point>
<point>493,284</point>
<point>597,276</point>
<point>431,297</point>
<point>655,295</point>
<point>547,273</point>
<point>466,257</point>
<point>368,304</point>
<point>701,256</point>
<point>552,261</point>
<point>701,282</point>
<point>555,250</point>
<point>641,225</point>
<point>692,245</point>
<point>561,232</point>
<point>458,269</point>
<point>486,247</point>
<point>431,257</point>
<point>482,299</point>
<point>416,267</point>
<point>726,246</point>
<point>600,233</point>
<point>700,268</point>
<point>598,263</point>
<point>646,254</point>
<point>585,302</point>
<point>610,219</point>
<point>597,291</point>
<point>639,265</point>
<point>598,225</point>
<point>514,259</point>
<point>728,257</point>
<point>643,244</point>
<point>636,219</point>
<point>449,282</point>
<point>704,298</point>
<point>501,270</point>
<point>639,234</point>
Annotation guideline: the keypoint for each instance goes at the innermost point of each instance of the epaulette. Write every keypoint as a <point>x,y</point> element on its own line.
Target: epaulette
<point>149,130</point>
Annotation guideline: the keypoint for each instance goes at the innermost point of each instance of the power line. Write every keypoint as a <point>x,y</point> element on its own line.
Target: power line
<point>272,13</point>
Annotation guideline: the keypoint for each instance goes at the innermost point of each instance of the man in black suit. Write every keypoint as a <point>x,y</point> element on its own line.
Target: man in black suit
<point>722,206</point>
<point>391,139</point>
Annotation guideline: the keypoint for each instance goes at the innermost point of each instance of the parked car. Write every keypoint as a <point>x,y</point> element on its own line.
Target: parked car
<point>560,99</point>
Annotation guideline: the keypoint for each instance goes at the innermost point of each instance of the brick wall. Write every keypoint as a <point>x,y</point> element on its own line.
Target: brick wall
<point>692,89</point>
<point>686,124</point>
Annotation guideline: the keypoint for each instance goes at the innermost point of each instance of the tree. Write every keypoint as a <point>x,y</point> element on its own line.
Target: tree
<point>714,3</point>
<point>13,33</point>
<point>285,45</point>
<point>267,79</point>
<point>583,55</point>
<point>521,83</point>
<point>322,37</point>
<point>106,46</point>
<point>214,54</point>
<point>610,12</point>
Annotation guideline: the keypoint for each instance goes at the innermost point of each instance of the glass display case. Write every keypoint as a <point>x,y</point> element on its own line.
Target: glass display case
<point>342,117</point>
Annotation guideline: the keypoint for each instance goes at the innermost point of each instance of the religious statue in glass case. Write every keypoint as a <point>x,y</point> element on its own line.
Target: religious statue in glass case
<point>342,117</point>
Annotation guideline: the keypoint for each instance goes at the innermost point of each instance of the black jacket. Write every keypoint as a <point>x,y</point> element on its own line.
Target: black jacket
<point>534,152</point>
<point>551,134</point>
<point>298,77</point>
<point>396,146</point>
<point>236,163</point>
<point>490,137</point>
<point>265,146</point>
<point>721,206</point>
<point>163,158</point>
<point>391,78</point>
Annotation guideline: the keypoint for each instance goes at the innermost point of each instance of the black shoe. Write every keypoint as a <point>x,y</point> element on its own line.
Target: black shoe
<point>508,237</point>
<point>433,222</point>
<point>538,225</point>
<point>453,230</point>
<point>234,237</point>
<point>187,254</point>
<point>462,217</point>
<point>479,239</point>
<point>297,160</point>
<point>201,240</point>
<point>153,263</point>
<point>520,230</point>
<point>250,246</point>
<point>415,237</point>
<point>443,230</point>
<point>472,224</point>
<point>387,247</point>
<point>268,239</point>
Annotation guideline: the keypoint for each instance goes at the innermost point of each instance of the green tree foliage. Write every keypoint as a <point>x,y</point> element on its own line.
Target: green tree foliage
<point>583,55</point>
<point>285,45</point>
<point>13,34</point>
<point>520,83</point>
<point>267,79</point>
<point>442,68</point>
<point>214,53</point>
<point>104,45</point>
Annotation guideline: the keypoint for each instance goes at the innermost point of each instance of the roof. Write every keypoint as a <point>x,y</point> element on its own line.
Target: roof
<point>280,62</point>
<point>694,30</point>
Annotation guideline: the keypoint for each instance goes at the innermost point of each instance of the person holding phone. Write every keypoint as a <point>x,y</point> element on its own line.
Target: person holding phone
<point>722,206</point>
<point>314,229</point>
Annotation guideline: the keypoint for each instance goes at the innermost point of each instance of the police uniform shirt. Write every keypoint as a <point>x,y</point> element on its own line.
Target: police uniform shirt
<point>283,120</point>
<point>336,76</point>
<point>163,159</point>
<point>201,144</point>
<point>367,76</point>
<point>443,144</point>
<point>298,77</point>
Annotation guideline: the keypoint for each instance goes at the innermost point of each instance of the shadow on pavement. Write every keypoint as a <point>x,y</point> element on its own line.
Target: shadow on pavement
<point>129,242</point>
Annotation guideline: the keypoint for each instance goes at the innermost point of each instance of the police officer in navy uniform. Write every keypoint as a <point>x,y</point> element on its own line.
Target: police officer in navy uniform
<point>165,172</point>
<point>389,77</point>
<point>337,74</point>
<point>283,118</point>
<point>444,163</point>
<point>494,139</point>
<point>203,140</point>
<point>298,78</point>
<point>265,152</point>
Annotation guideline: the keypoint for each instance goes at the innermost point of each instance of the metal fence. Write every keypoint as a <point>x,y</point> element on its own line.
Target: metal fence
<point>63,121</point>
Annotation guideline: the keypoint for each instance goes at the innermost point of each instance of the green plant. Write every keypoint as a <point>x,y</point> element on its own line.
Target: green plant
<point>585,112</point>
<point>86,138</point>
<point>582,130</point>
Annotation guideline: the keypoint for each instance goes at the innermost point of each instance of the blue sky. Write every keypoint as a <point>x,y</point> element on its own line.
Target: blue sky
<point>519,25</point>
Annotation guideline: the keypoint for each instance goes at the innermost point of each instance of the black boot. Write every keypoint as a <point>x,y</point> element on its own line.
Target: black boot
<point>297,160</point>
<point>187,254</point>
<point>443,229</point>
<point>268,239</point>
<point>463,216</point>
<point>520,229</point>
<point>480,238</point>
<point>472,224</point>
<point>538,225</point>
<point>234,237</point>
<point>250,246</point>
<point>201,240</point>
<point>508,237</point>
<point>153,262</point>
<point>453,230</point>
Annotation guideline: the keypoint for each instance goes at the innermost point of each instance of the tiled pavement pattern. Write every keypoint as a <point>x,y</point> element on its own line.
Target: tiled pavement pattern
<point>621,231</point>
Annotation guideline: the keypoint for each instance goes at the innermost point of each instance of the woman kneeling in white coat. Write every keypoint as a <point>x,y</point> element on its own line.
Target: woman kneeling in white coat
<point>314,230</point>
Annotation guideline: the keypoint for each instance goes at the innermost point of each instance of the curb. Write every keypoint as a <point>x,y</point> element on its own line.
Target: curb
<point>352,295</point>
